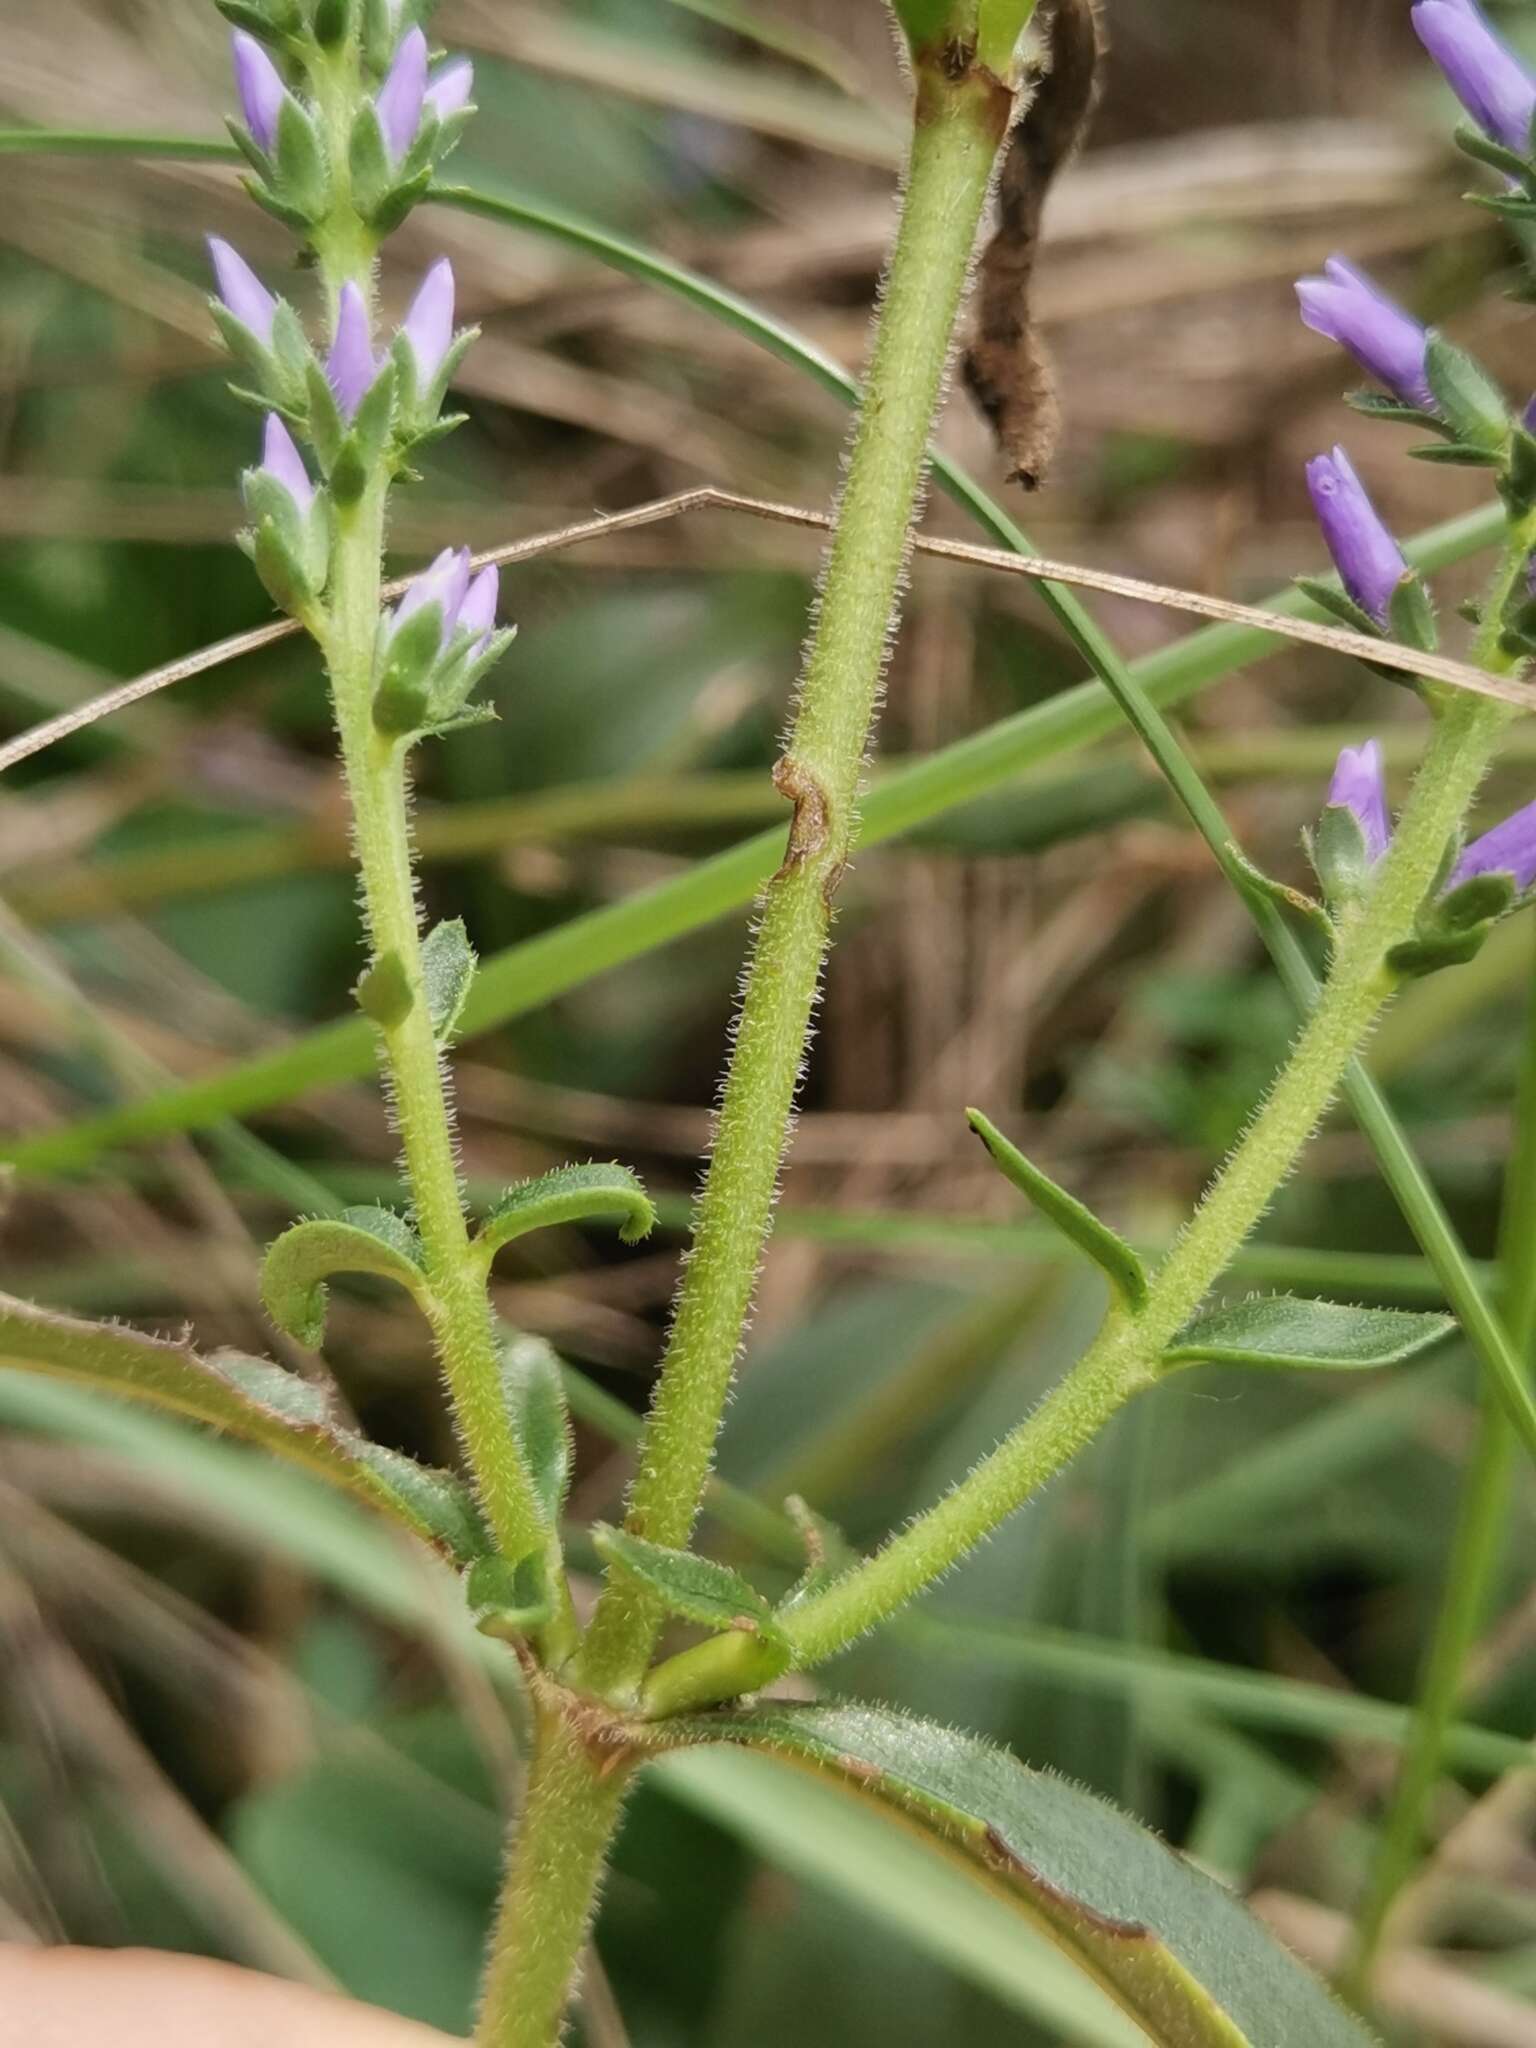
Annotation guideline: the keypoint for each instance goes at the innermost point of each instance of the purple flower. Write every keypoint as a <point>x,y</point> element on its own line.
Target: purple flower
<point>1509,849</point>
<point>445,584</point>
<point>450,87</point>
<point>1386,342</point>
<point>242,291</point>
<point>403,94</point>
<point>1359,786</point>
<point>1369,561</point>
<point>429,324</point>
<point>1484,73</point>
<point>261,89</point>
<point>477,614</point>
<point>282,461</point>
<point>351,365</point>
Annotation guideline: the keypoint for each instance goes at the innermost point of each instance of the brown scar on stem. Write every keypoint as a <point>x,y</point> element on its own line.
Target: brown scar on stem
<point>808,826</point>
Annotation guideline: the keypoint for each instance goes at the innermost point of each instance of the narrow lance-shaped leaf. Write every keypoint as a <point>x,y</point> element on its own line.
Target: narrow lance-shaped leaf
<point>570,1194</point>
<point>827,1552</point>
<point>1281,1330</point>
<point>1184,1957</point>
<point>246,1397</point>
<point>1109,1251</point>
<point>697,1588</point>
<point>365,1240</point>
<point>534,1390</point>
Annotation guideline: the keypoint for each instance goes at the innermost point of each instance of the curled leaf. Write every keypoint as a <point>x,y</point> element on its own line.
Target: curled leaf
<point>570,1194</point>
<point>367,1240</point>
<point>246,1397</point>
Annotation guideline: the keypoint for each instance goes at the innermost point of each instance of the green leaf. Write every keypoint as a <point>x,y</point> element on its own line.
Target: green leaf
<point>697,1588</point>
<point>246,1397</point>
<point>570,1194</point>
<point>1471,403</point>
<point>1175,1949</point>
<point>1411,615</point>
<point>447,969</point>
<point>297,1266</point>
<point>827,1552</point>
<point>303,180</point>
<point>1343,607</point>
<point>1282,1330</point>
<point>507,1600</point>
<point>384,991</point>
<point>533,1387</point>
<point>1109,1251</point>
<point>1375,405</point>
<point>1474,143</point>
<point>1340,857</point>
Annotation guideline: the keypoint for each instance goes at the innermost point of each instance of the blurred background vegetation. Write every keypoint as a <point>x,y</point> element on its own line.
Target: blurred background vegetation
<point>232,1719</point>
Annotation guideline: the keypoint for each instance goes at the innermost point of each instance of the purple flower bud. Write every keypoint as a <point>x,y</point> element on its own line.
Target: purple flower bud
<point>261,89</point>
<point>282,460</point>
<point>429,324</point>
<point>446,584</point>
<point>1369,561</point>
<point>1508,849</point>
<point>403,94</point>
<point>1484,73</point>
<point>450,88</point>
<point>1387,343</point>
<point>477,614</point>
<point>351,365</point>
<point>1359,786</point>
<point>242,291</point>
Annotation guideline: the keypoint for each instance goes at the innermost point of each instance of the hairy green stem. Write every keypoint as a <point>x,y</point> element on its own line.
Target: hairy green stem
<point>960,122</point>
<point>375,772</point>
<point>1125,1357</point>
<point>1477,1549</point>
<point>570,1810</point>
<point>374,764</point>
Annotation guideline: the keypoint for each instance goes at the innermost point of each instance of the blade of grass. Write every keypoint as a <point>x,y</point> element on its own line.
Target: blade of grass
<point>1477,1551</point>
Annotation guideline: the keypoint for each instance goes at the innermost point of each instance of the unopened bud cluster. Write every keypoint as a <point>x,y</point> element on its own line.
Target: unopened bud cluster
<point>1428,382</point>
<point>345,117</point>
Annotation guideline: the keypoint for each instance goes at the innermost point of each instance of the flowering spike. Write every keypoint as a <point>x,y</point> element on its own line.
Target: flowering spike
<point>477,614</point>
<point>451,87</point>
<point>1509,849</point>
<point>1359,786</point>
<point>1369,561</point>
<point>351,366</point>
<point>241,290</point>
<point>261,88</point>
<point>445,584</point>
<point>1388,343</point>
<point>1484,73</point>
<point>403,94</point>
<point>282,460</point>
<point>429,324</point>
